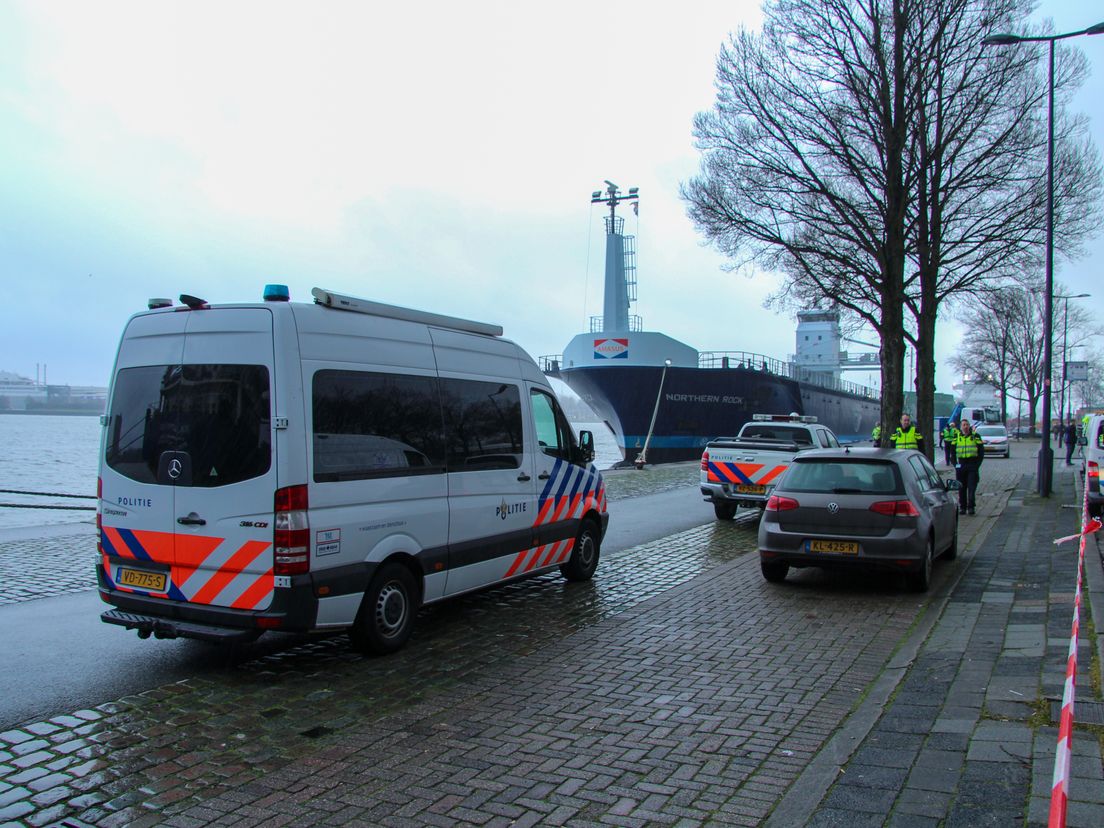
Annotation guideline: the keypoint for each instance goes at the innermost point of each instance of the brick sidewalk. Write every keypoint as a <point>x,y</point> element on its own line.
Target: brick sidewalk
<point>967,740</point>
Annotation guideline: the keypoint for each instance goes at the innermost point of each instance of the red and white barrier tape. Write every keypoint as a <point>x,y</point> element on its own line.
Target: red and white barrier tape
<point>1059,789</point>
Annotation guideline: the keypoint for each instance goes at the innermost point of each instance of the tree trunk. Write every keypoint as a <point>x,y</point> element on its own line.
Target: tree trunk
<point>893,362</point>
<point>925,375</point>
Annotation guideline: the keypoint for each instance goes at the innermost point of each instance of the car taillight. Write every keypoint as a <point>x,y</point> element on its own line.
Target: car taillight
<point>904,508</point>
<point>705,461</point>
<point>99,515</point>
<point>291,532</point>
<point>777,503</point>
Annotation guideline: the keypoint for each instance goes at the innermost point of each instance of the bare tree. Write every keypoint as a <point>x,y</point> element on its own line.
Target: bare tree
<point>1003,342</point>
<point>871,152</point>
<point>980,207</point>
<point>988,350</point>
<point>803,167</point>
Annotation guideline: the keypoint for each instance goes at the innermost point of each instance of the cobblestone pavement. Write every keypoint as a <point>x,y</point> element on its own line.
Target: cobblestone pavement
<point>41,567</point>
<point>968,739</point>
<point>679,687</point>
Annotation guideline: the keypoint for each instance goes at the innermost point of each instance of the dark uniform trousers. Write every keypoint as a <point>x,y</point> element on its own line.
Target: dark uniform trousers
<point>969,452</point>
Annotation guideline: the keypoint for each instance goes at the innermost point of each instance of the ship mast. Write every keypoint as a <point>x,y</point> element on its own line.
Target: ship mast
<point>619,288</point>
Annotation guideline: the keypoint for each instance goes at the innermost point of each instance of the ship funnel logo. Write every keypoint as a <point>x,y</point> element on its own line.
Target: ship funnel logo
<point>611,349</point>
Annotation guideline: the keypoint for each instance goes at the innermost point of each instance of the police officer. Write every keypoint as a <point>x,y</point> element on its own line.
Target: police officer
<point>906,436</point>
<point>969,454</point>
<point>876,435</point>
<point>950,433</point>
<point>1071,441</point>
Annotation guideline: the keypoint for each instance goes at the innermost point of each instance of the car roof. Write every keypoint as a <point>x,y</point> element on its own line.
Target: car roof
<point>895,455</point>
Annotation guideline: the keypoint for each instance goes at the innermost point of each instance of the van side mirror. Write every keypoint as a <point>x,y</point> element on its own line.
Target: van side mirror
<point>586,445</point>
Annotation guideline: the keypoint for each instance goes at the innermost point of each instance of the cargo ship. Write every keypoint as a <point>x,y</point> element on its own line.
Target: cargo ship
<point>663,400</point>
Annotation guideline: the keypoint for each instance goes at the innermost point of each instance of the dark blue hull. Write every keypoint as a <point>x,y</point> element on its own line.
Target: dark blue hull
<point>699,404</point>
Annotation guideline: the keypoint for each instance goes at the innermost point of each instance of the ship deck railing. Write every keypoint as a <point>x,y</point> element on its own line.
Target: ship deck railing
<point>750,361</point>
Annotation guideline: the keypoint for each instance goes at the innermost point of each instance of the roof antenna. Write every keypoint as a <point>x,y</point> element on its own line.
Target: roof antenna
<point>193,302</point>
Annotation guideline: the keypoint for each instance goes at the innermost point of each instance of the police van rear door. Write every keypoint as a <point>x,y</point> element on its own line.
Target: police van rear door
<point>137,509</point>
<point>223,458</point>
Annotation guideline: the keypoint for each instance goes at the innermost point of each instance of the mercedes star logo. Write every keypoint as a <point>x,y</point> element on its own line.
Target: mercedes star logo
<point>833,508</point>
<point>175,468</point>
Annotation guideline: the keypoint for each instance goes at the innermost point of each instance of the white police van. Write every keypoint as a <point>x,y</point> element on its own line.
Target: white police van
<point>315,467</point>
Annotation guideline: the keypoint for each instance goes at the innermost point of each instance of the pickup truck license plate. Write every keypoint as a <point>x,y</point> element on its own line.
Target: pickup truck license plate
<point>835,547</point>
<point>149,581</point>
<point>745,489</point>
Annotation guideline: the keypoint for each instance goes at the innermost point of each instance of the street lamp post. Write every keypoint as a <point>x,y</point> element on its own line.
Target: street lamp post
<point>1045,469</point>
<point>1063,413</point>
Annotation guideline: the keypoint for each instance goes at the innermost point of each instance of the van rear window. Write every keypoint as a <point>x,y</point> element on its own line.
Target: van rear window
<point>216,418</point>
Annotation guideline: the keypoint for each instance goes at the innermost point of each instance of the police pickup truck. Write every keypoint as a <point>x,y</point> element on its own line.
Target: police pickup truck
<point>742,470</point>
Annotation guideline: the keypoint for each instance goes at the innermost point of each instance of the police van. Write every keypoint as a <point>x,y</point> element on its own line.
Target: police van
<point>283,466</point>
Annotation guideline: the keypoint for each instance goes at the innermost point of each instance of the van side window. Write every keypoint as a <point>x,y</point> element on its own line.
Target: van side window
<point>369,424</point>
<point>553,434</point>
<point>483,425</point>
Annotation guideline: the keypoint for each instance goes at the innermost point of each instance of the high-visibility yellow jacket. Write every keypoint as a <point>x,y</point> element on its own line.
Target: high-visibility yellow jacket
<point>969,449</point>
<point>910,439</point>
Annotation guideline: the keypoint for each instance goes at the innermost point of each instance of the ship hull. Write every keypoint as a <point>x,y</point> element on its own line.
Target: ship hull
<point>697,405</point>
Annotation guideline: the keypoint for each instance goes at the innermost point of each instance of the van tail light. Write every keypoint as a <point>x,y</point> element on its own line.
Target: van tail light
<point>291,532</point>
<point>1092,475</point>
<point>705,461</point>
<point>99,515</point>
<point>777,503</point>
<point>902,508</point>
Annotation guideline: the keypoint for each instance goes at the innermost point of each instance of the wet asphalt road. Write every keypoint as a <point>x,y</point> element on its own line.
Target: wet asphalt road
<point>60,657</point>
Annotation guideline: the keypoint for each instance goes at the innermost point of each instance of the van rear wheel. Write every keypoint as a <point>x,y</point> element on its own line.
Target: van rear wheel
<point>584,556</point>
<point>386,616</point>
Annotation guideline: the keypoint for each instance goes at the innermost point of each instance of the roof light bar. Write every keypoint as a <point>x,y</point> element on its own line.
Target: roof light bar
<point>330,299</point>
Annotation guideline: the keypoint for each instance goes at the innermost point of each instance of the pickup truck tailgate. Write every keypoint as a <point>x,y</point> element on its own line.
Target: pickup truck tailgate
<point>744,468</point>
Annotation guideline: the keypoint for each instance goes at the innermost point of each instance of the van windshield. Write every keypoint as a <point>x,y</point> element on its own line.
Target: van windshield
<point>217,417</point>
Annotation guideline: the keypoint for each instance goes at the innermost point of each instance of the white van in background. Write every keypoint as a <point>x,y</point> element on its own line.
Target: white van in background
<point>316,467</point>
<point>1092,443</point>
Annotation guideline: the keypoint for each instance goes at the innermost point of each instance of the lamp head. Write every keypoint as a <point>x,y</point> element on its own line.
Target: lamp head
<point>1000,40</point>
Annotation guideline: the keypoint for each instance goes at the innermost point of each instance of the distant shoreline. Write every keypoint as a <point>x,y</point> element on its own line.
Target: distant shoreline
<point>65,412</point>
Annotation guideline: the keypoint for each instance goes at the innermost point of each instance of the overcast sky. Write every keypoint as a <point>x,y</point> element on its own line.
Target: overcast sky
<point>437,155</point>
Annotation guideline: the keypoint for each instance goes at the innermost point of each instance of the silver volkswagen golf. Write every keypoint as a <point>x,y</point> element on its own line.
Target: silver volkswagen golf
<point>860,507</point>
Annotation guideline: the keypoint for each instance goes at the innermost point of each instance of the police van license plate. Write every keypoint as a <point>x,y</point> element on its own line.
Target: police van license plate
<point>751,489</point>
<point>137,579</point>
<point>832,547</point>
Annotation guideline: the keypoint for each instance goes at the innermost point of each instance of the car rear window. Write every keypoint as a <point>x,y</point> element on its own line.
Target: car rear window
<point>800,436</point>
<point>836,476</point>
<point>218,417</point>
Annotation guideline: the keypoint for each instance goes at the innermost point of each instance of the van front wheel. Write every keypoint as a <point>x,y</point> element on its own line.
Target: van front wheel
<point>584,556</point>
<point>386,616</point>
